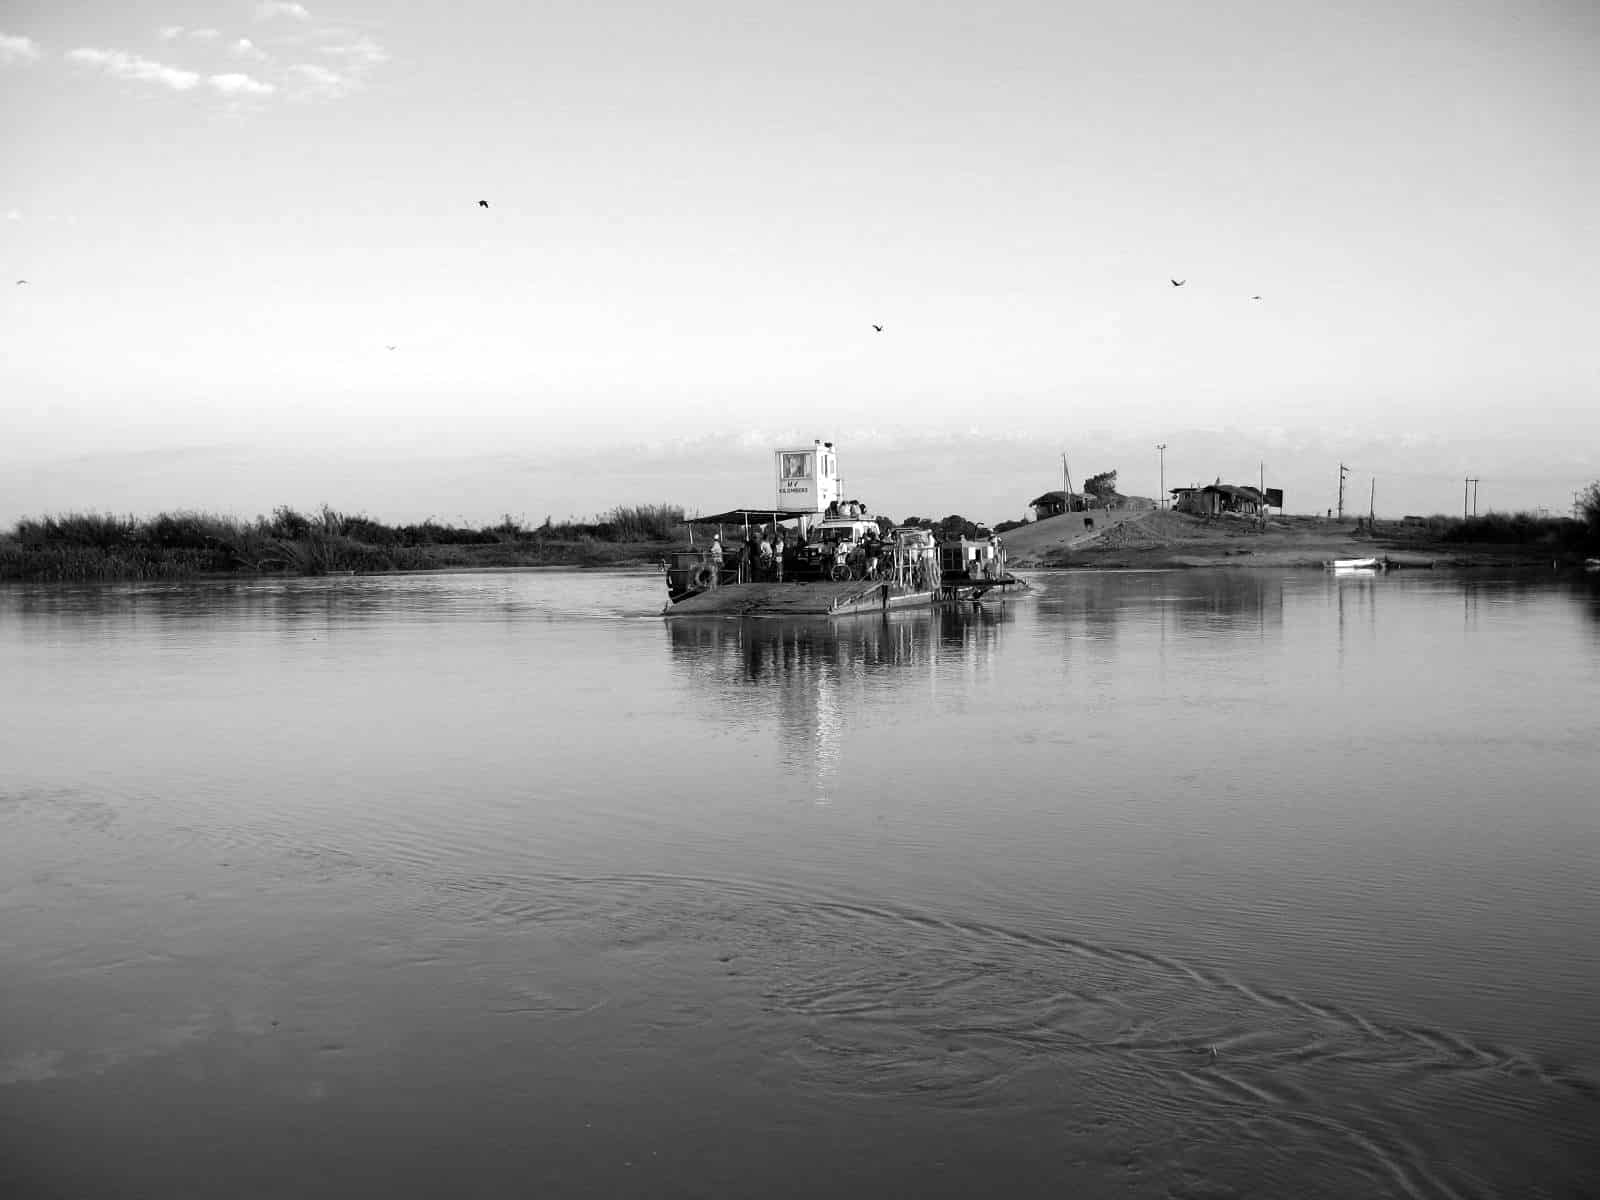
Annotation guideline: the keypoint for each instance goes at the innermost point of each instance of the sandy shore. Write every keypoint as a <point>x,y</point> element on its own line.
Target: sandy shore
<point>1149,539</point>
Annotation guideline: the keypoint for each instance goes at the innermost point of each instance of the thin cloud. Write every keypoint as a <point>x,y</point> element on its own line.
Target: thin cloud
<point>122,65</point>
<point>361,54</point>
<point>353,60</point>
<point>281,8</point>
<point>240,85</point>
<point>171,33</point>
<point>321,83</point>
<point>15,48</point>
<point>245,48</point>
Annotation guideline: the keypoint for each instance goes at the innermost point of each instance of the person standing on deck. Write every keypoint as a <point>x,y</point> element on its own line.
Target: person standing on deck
<point>715,555</point>
<point>765,550</point>
<point>777,556</point>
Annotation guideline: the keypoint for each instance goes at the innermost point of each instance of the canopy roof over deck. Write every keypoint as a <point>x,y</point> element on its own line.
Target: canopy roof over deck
<point>739,516</point>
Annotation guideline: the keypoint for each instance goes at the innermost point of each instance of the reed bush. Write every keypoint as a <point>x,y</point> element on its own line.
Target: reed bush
<point>1589,511</point>
<point>90,546</point>
<point>1505,529</point>
<point>643,523</point>
<point>102,530</point>
<point>190,531</point>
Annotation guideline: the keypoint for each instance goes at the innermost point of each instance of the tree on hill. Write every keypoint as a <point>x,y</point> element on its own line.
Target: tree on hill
<point>952,526</point>
<point>1102,485</point>
<point>956,525</point>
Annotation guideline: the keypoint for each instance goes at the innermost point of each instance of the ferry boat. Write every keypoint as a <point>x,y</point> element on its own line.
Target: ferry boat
<point>816,554</point>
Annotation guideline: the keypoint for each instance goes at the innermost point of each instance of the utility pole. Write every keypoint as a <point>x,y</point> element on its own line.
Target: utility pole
<point>1161,449</point>
<point>1372,502</point>
<point>1471,482</point>
<point>1343,471</point>
<point>1066,480</point>
<point>1474,497</point>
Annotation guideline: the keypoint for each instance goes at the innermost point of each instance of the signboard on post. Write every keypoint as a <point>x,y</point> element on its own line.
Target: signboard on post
<point>1274,498</point>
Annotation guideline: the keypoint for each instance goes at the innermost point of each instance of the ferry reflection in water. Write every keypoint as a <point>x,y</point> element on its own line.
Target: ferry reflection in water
<point>813,678</point>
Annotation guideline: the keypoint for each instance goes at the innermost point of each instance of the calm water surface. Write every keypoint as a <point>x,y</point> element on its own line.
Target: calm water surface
<point>1201,884</point>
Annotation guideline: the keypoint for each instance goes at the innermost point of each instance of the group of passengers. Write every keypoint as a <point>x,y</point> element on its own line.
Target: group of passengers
<point>769,554</point>
<point>765,554</point>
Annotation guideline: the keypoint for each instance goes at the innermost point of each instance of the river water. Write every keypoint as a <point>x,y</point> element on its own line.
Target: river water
<point>1193,884</point>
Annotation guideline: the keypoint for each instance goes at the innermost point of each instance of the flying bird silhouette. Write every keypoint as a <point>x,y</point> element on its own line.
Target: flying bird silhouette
<point>389,347</point>
<point>1255,297</point>
<point>879,328</point>
<point>483,204</point>
<point>20,282</point>
<point>1179,282</point>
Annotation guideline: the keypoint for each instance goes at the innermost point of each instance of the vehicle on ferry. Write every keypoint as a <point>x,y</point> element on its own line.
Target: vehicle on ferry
<point>846,544</point>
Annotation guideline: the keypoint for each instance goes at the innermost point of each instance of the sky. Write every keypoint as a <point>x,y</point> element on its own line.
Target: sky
<point>227,213</point>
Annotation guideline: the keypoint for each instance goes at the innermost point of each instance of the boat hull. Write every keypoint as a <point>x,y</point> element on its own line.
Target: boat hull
<point>824,598</point>
<point>821,598</point>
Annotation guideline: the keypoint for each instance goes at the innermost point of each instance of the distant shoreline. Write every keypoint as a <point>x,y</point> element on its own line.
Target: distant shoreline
<point>1164,540</point>
<point>88,549</point>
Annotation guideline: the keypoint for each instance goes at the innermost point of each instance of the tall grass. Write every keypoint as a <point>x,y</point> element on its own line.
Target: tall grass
<point>628,523</point>
<point>1502,529</point>
<point>87,546</point>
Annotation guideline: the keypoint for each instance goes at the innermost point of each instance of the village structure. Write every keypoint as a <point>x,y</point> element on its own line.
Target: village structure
<point>1213,500</point>
<point>1219,499</point>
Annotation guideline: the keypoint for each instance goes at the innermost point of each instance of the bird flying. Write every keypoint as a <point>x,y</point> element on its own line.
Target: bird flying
<point>1255,297</point>
<point>483,204</point>
<point>20,282</point>
<point>879,328</point>
<point>388,347</point>
<point>1179,282</point>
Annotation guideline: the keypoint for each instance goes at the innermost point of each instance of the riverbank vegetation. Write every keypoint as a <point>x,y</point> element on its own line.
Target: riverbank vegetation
<point>90,546</point>
<point>99,546</point>
<point>1521,530</point>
